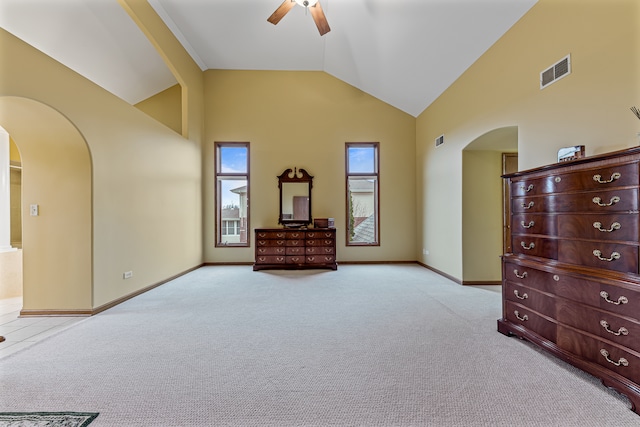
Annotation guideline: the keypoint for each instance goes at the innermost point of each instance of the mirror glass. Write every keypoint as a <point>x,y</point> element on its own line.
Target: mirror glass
<point>295,198</point>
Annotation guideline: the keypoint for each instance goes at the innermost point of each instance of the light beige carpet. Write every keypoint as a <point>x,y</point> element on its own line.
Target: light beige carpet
<point>367,345</point>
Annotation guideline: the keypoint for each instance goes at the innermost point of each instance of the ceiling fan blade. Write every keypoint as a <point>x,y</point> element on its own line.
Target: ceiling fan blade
<point>319,19</point>
<point>281,11</point>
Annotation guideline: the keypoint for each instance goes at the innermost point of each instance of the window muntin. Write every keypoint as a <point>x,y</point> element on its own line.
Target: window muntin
<point>232,193</point>
<point>362,188</point>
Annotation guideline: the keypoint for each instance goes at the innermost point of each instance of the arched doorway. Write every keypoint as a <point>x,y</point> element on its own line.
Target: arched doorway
<point>56,182</point>
<point>482,205</point>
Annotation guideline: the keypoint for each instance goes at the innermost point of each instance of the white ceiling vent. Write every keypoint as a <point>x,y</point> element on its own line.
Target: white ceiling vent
<point>555,72</point>
<point>440,140</point>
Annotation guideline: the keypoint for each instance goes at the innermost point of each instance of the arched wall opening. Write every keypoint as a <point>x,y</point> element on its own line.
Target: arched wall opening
<point>57,178</point>
<point>482,205</point>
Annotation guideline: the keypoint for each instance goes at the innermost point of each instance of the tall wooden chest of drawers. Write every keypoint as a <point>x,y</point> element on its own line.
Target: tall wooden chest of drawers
<point>295,249</point>
<point>571,283</point>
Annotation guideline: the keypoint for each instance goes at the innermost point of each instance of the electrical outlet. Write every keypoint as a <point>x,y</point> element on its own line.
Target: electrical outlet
<point>127,275</point>
<point>34,210</point>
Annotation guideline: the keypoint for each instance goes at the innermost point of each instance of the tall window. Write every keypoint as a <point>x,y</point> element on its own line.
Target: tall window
<point>363,204</point>
<point>232,193</point>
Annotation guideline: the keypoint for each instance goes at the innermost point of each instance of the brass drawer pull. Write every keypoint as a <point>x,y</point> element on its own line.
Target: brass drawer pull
<point>621,300</point>
<point>526,189</point>
<point>614,256</point>
<point>517,294</point>
<point>613,201</point>
<point>520,276</point>
<point>621,362</point>
<point>621,331</point>
<point>524,318</point>
<point>614,226</point>
<point>614,176</point>
<point>527,247</point>
<point>531,224</point>
<point>529,206</point>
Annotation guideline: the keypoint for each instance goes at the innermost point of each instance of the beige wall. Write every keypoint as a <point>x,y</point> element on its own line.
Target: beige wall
<point>303,119</point>
<point>590,106</point>
<point>144,200</point>
<point>165,107</point>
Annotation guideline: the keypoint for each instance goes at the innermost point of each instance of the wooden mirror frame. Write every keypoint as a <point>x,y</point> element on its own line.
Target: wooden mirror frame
<point>295,176</point>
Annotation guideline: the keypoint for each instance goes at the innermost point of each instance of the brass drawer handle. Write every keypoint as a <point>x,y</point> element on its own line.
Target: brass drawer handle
<point>311,258</point>
<point>524,318</point>
<point>280,235</point>
<point>528,247</point>
<point>526,189</point>
<point>520,276</point>
<point>614,176</point>
<point>614,226</point>
<point>529,206</point>
<point>517,294</point>
<point>621,300</point>
<point>621,362</point>
<point>614,256</point>
<point>531,224</point>
<point>613,201</point>
<point>621,331</point>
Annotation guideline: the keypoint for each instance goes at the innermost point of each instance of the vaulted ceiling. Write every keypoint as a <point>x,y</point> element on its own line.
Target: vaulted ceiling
<point>403,52</point>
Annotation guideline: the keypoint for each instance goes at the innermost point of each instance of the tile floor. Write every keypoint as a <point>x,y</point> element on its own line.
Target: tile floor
<point>21,332</point>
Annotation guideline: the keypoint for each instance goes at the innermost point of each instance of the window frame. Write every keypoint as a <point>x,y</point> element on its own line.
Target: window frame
<point>219,175</point>
<point>376,192</point>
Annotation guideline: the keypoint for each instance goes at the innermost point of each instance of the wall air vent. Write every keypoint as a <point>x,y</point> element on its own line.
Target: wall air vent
<point>555,72</point>
<point>440,140</point>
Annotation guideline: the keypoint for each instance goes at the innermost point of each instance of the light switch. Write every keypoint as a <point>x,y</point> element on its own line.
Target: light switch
<point>34,210</point>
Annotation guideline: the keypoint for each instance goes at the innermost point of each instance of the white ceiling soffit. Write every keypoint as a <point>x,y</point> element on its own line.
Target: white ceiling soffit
<point>404,52</point>
<point>95,38</point>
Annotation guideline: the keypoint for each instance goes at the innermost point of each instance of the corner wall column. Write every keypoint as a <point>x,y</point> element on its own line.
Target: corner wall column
<point>5,193</point>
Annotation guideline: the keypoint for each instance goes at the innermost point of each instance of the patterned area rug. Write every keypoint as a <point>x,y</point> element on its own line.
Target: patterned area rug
<point>46,419</point>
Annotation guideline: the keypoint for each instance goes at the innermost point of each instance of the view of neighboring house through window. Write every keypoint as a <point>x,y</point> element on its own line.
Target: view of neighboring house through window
<point>363,180</point>
<point>232,193</point>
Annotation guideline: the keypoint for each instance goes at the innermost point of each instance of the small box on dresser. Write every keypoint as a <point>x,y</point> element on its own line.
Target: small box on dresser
<point>571,284</point>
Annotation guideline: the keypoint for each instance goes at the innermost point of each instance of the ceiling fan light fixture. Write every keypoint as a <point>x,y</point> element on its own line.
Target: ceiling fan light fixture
<point>307,3</point>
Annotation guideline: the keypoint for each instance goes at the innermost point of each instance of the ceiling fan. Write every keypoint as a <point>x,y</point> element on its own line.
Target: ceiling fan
<point>311,5</point>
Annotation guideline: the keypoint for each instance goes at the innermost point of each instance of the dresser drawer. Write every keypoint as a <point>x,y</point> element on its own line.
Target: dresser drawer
<point>620,200</point>
<point>321,234</point>
<point>530,277</point>
<point>320,250</point>
<point>617,358</point>
<point>599,178</point>
<point>535,246</point>
<point>610,256</point>
<point>521,315</point>
<point>270,234</point>
<point>320,259</point>
<point>532,187</point>
<point>618,329</point>
<point>295,235</point>
<point>295,259</point>
<point>530,298</point>
<point>622,227</point>
<point>270,259</point>
<point>270,242</point>
<point>319,242</point>
<point>536,204</point>
<point>294,250</point>
<point>270,250</point>
<point>534,224</point>
<point>615,299</point>
<point>293,242</point>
